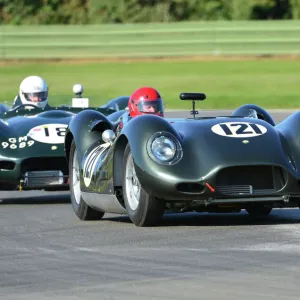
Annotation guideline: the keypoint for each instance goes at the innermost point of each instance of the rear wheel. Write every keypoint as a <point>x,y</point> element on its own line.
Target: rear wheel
<point>81,209</point>
<point>258,210</point>
<point>142,209</point>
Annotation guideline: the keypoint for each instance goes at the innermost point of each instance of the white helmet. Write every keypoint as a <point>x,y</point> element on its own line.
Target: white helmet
<point>34,90</point>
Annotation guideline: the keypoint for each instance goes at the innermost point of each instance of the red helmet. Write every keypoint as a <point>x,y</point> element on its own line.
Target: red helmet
<point>145,100</point>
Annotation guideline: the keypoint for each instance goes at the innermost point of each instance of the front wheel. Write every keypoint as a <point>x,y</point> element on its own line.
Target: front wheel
<point>142,209</point>
<point>81,209</point>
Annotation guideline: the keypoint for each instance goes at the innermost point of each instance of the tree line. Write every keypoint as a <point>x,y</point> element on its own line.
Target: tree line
<point>19,12</point>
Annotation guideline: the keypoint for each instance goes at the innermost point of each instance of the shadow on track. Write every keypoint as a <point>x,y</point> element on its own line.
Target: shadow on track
<point>36,199</point>
<point>276,217</point>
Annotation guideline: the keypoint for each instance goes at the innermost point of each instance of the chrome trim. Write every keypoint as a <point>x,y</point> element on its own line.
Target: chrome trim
<point>104,202</point>
<point>243,200</point>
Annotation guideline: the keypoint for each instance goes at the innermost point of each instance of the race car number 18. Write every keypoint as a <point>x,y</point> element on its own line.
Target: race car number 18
<point>49,133</point>
<point>60,131</point>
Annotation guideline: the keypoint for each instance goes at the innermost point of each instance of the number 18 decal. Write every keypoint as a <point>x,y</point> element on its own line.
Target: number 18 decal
<point>239,129</point>
<point>49,133</point>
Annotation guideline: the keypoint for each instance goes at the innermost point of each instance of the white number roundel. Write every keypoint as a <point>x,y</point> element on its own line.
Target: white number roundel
<point>49,133</point>
<point>239,129</point>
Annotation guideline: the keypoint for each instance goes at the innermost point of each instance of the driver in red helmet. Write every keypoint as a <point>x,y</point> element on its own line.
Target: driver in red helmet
<point>145,100</point>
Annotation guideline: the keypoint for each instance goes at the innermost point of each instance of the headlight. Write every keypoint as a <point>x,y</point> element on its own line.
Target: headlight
<point>164,148</point>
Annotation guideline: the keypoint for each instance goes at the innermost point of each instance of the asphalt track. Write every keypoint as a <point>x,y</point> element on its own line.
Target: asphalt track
<point>47,253</point>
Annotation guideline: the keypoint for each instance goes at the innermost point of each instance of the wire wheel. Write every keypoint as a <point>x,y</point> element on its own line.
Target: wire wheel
<point>76,181</point>
<point>133,186</point>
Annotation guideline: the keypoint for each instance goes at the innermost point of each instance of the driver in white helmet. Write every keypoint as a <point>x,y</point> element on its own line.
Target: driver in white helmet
<point>34,92</point>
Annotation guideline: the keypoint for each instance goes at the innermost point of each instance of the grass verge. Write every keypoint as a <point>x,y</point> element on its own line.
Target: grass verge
<point>227,83</point>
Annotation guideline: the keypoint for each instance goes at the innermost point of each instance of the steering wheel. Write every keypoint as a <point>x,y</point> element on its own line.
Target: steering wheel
<point>23,105</point>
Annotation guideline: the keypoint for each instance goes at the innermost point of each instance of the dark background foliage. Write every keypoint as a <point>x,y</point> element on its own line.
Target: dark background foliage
<point>17,12</point>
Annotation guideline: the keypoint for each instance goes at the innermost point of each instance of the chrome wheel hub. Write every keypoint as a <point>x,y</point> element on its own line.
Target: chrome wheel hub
<point>133,186</point>
<point>76,179</point>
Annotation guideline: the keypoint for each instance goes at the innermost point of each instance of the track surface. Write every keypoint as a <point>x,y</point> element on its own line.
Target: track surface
<point>47,253</point>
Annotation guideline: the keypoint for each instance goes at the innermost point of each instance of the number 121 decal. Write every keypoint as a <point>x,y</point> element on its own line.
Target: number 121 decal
<point>239,129</point>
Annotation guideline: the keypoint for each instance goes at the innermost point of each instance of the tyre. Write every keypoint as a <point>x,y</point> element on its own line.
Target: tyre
<point>142,209</point>
<point>258,210</point>
<point>81,209</point>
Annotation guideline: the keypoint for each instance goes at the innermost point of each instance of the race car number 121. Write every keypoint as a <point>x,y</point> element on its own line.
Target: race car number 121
<point>49,133</point>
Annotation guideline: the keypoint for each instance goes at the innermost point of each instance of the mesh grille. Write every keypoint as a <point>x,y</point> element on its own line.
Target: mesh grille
<point>41,178</point>
<point>235,189</point>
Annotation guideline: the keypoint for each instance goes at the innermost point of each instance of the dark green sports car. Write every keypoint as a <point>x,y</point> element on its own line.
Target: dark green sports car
<point>203,164</point>
<point>32,144</point>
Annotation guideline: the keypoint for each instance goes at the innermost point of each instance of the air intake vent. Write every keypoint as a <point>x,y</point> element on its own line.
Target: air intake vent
<point>235,189</point>
<point>190,188</point>
<point>7,165</point>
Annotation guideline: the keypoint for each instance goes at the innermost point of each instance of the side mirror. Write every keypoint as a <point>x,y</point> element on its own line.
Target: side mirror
<point>192,96</point>
<point>108,136</point>
<point>78,89</point>
<point>78,101</point>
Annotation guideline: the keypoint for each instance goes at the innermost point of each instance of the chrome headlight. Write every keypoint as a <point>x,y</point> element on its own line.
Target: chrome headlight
<point>164,148</point>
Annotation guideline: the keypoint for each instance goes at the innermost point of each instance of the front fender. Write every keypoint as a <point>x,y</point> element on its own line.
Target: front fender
<point>290,131</point>
<point>86,128</point>
<point>5,131</point>
<point>3,108</point>
<point>139,130</point>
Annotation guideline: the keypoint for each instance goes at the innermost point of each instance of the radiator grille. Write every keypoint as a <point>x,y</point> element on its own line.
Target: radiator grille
<point>235,189</point>
<point>250,180</point>
<point>42,178</point>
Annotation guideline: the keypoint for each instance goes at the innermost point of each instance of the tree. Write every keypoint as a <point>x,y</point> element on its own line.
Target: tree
<point>131,11</point>
<point>295,9</point>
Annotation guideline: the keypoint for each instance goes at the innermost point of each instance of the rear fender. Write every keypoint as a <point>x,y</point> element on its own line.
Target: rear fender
<point>114,117</point>
<point>117,104</point>
<point>262,114</point>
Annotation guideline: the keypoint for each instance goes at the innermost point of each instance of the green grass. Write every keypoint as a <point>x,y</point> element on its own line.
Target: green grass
<point>227,84</point>
<point>157,39</point>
